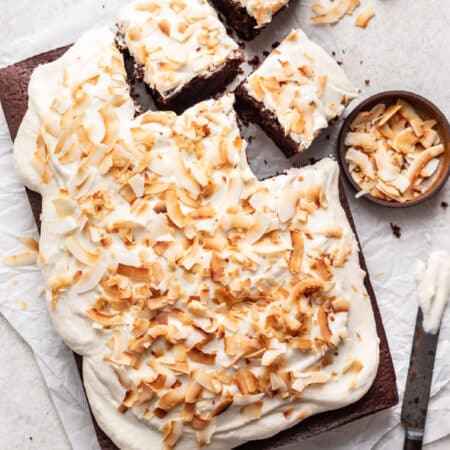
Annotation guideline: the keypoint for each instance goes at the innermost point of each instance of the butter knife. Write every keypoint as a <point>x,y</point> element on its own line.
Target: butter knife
<point>418,385</point>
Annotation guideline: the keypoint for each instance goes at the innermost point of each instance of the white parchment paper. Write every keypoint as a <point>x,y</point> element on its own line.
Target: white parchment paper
<point>404,47</point>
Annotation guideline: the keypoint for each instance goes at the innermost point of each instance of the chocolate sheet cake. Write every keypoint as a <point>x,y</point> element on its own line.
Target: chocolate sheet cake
<point>383,394</point>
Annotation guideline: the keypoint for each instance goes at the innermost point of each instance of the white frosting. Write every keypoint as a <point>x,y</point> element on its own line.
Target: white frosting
<point>263,10</point>
<point>151,194</point>
<point>175,41</point>
<point>433,287</point>
<point>303,86</point>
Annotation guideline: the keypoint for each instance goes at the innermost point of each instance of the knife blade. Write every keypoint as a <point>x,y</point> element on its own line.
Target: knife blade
<point>418,385</point>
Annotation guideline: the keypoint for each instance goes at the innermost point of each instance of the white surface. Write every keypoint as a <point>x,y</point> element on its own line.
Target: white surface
<point>401,48</point>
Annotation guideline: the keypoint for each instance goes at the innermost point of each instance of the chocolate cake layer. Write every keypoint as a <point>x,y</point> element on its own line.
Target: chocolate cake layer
<point>238,18</point>
<point>198,89</point>
<point>383,393</point>
<point>251,110</point>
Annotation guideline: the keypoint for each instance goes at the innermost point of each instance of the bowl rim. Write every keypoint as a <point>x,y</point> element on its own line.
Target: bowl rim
<point>367,103</point>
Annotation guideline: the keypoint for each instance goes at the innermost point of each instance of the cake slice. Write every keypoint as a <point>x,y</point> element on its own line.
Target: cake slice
<point>249,17</point>
<point>295,93</point>
<point>181,49</point>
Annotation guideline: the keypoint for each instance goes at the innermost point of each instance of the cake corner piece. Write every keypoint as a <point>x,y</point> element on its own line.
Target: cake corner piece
<point>249,17</point>
<point>295,93</point>
<point>181,50</point>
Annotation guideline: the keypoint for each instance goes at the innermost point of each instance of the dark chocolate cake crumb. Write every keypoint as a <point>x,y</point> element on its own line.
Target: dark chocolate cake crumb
<point>343,52</point>
<point>312,160</point>
<point>327,137</point>
<point>340,63</point>
<point>254,62</point>
<point>241,44</point>
<point>266,53</point>
<point>396,230</point>
<point>275,44</point>
<point>265,162</point>
<point>250,139</point>
<point>333,53</point>
<point>139,71</point>
<point>360,62</point>
<point>444,205</point>
<point>367,82</point>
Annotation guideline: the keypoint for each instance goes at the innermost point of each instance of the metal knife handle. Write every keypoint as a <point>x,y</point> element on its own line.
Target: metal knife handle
<point>411,444</point>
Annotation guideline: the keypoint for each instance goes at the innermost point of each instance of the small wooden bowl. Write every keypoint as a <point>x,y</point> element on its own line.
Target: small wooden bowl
<point>426,110</point>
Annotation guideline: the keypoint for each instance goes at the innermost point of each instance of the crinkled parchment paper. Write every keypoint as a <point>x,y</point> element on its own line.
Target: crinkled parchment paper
<point>400,49</point>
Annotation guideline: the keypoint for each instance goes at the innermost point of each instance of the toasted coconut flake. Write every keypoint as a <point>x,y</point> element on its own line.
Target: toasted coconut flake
<point>405,141</point>
<point>193,392</point>
<point>215,243</point>
<point>64,205</point>
<point>333,231</point>
<point>140,326</point>
<point>222,406</point>
<point>340,305</point>
<point>389,113</point>
<point>172,398</point>
<point>200,357</point>
<point>363,140</point>
<point>160,248</point>
<point>360,160</point>
<point>246,382</point>
<point>217,267</point>
<point>30,242</point>
<point>27,258</point>
<point>428,137</point>
<point>333,14</point>
<point>364,17</point>
<point>172,431</point>
<point>80,252</point>
<point>174,210</point>
<point>272,355</point>
<point>135,273</point>
<point>307,286</point>
<point>205,435</point>
<point>106,320</point>
<point>422,160</point>
<point>137,184</point>
<point>353,5</point>
<point>296,258</point>
<point>252,411</point>
<point>164,26</point>
<point>188,412</point>
<point>306,379</point>
<point>318,8</point>
<point>198,423</point>
<point>111,123</point>
<point>321,268</point>
<point>354,365</point>
<point>322,319</point>
<point>256,88</point>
